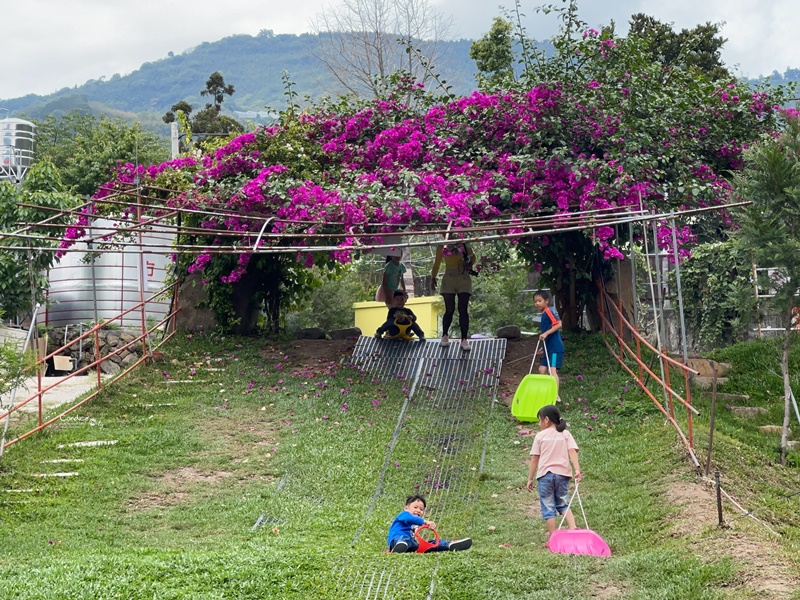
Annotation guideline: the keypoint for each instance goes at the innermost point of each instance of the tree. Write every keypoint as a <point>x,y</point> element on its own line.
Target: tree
<point>770,230</point>
<point>209,121</point>
<point>598,126</point>
<point>363,43</point>
<point>216,88</point>
<point>698,47</point>
<point>669,126</point>
<point>23,272</point>
<point>494,55</point>
<point>84,148</point>
<point>172,114</point>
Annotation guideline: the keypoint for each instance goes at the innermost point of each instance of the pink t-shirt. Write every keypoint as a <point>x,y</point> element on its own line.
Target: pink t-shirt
<point>552,447</point>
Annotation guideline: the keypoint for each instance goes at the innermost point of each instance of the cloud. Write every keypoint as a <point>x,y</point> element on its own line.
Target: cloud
<point>50,44</point>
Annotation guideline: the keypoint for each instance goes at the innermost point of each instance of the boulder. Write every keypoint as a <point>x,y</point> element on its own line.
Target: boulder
<point>311,333</point>
<point>773,430</point>
<point>706,383</point>
<point>110,368</point>
<point>703,366</point>
<point>345,334</point>
<point>193,314</point>
<point>748,412</point>
<point>509,332</point>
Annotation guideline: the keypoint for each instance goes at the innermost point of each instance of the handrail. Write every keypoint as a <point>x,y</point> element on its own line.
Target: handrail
<point>667,362</point>
<point>96,364</point>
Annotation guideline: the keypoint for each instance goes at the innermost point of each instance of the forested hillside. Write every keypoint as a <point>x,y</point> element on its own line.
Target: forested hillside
<point>253,64</point>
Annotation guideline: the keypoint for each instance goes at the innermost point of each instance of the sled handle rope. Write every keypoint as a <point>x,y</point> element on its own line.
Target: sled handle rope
<point>535,352</point>
<point>564,515</point>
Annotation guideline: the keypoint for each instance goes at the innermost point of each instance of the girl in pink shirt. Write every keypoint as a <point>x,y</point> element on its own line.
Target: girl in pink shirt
<point>553,449</point>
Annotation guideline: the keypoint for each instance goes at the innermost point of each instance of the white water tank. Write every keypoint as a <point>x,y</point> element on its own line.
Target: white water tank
<point>117,281</point>
<point>17,147</point>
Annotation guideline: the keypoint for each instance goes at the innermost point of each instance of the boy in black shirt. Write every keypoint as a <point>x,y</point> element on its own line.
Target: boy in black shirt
<point>401,322</point>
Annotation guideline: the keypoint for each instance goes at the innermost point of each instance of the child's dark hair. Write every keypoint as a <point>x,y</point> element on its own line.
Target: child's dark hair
<point>551,412</point>
<point>543,294</point>
<point>414,498</point>
<point>399,293</point>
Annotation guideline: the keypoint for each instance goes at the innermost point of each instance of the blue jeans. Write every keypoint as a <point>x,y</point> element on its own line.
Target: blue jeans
<point>553,494</point>
<point>413,544</point>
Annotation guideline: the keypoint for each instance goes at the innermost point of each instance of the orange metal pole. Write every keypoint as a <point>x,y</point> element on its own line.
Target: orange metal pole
<point>665,364</point>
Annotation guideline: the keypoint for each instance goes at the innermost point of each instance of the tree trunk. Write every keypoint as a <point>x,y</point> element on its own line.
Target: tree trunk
<point>273,304</point>
<point>245,304</point>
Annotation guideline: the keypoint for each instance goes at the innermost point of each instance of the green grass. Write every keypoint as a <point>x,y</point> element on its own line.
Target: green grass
<point>168,511</point>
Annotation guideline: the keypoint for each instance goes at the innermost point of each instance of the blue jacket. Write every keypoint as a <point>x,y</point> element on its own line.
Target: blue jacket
<point>401,526</point>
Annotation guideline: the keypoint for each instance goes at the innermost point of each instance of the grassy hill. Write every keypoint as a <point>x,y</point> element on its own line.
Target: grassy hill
<point>247,469</point>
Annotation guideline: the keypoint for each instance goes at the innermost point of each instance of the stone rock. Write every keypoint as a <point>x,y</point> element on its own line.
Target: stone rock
<point>190,298</point>
<point>773,429</point>
<point>112,340</point>
<point>311,333</point>
<point>706,383</point>
<point>110,368</point>
<point>748,412</point>
<point>129,360</point>
<point>344,334</point>
<point>509,332</point>
<point>703,366</point>
<point>728,398</point>
<point>792,445</point>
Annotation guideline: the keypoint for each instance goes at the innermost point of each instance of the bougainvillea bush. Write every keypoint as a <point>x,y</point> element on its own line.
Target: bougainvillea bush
<point>615,131</point>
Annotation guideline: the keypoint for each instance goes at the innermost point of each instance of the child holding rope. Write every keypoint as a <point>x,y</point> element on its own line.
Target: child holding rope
<point>552,451</point>
<point>550,335</point>
<point>401,533</point>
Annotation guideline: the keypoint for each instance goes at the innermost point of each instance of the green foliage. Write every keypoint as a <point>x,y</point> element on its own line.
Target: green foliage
<point>13,363</point>
<point>208,124</point>
<point>84,148</point>
<point>770,224</point>
<point>330,301</point>
<point>494,56</point>
<point>498,297</point>
<point>41,196</point>
<point>697,47</point>
<point>718,297</point>
<point>641,90</point>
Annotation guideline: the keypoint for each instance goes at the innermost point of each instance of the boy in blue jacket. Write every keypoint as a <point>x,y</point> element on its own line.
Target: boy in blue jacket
<point>401,533</point>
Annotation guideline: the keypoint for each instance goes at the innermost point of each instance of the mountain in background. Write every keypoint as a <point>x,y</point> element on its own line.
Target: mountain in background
<point>252,64</point>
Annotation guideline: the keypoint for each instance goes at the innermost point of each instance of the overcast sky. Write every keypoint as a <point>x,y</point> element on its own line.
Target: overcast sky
<point>46,45</point>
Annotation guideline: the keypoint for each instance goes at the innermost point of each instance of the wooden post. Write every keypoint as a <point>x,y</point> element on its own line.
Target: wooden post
<point>713,415</point>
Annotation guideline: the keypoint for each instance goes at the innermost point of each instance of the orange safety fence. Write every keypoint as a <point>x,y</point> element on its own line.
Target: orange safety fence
<point>168,323</point>
<point>623,330</point>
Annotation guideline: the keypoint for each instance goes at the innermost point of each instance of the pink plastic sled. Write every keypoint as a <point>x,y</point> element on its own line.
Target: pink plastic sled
<point>577,541</point>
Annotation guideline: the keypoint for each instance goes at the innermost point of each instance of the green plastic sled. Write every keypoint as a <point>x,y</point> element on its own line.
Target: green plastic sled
<point>533,392</point>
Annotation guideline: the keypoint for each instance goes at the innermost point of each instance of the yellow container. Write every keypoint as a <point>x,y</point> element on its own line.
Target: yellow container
<point>371,315</point>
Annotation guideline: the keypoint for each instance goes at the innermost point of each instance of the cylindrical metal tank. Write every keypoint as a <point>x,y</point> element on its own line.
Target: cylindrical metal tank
<point>116,282</point>
<point>17,148</point>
